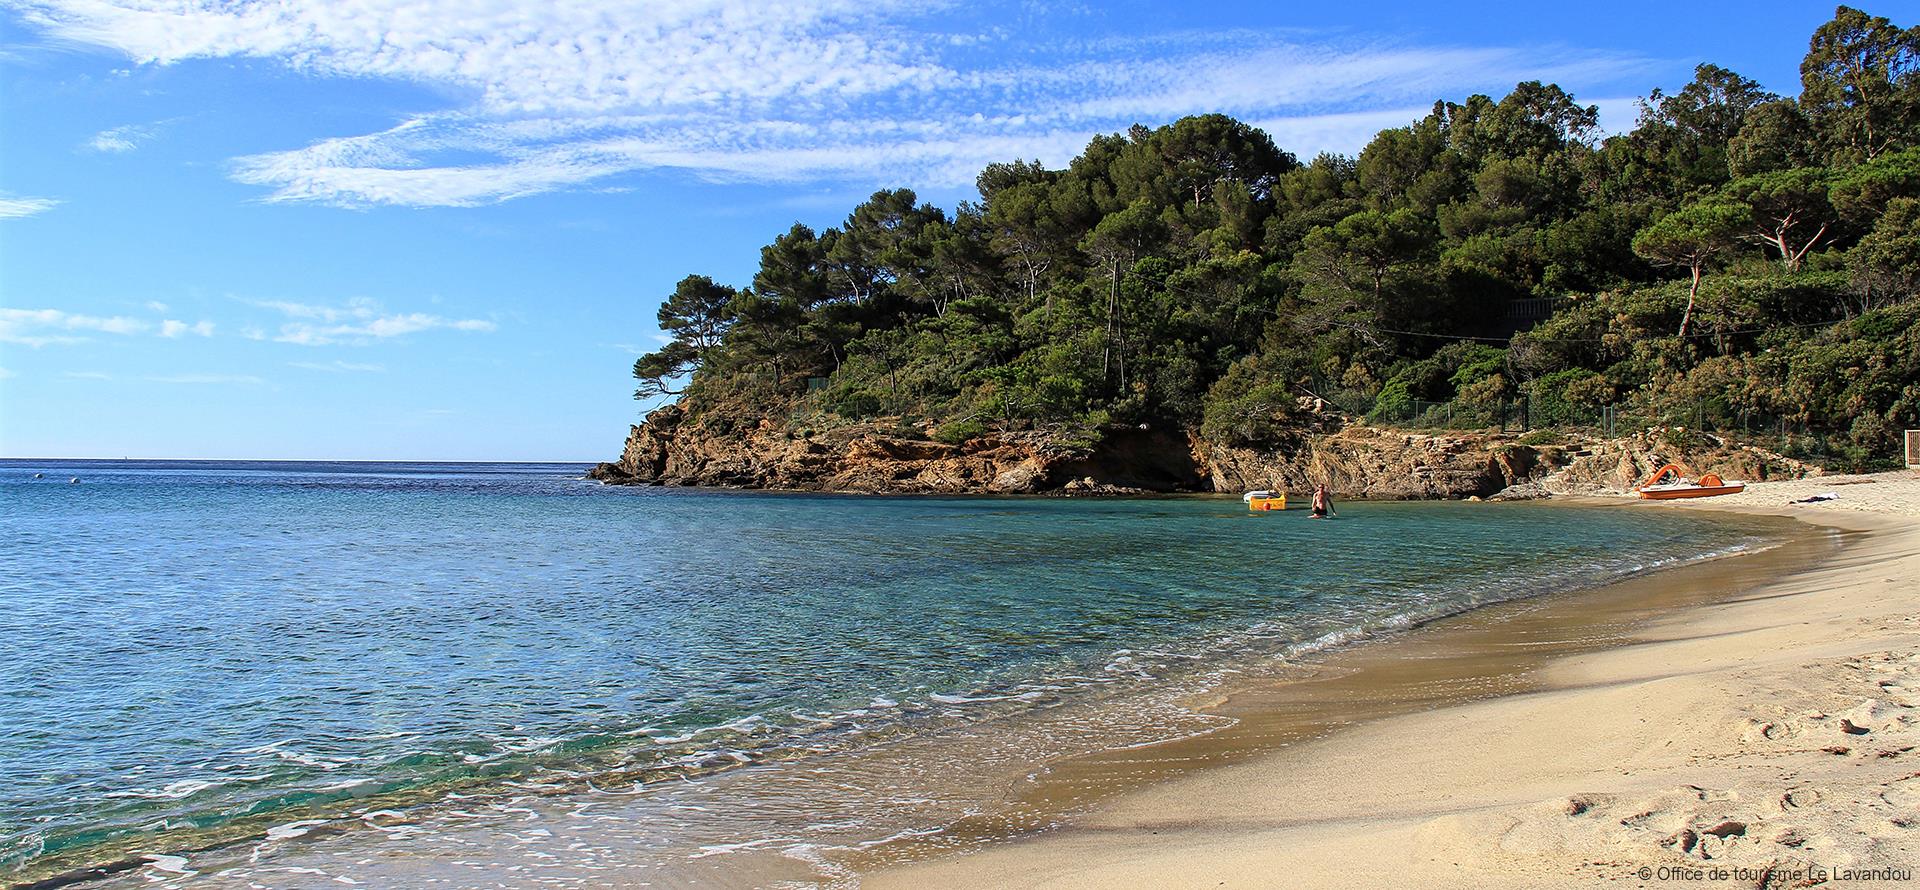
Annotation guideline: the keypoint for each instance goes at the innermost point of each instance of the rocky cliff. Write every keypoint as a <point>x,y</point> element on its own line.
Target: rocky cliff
<point>670,449</point>
<point>1353,460</point>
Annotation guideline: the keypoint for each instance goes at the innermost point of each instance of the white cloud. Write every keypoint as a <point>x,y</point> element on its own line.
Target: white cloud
<point>46,327</point>
<point>87,375</point>
<point>120,140</point>
<point>172,328</point>
<point>7,374</point>
<point>43,327</point>
<point>16,208</point>
<point>560,94</point>
<point>340,366</point>
<point>208,379</point>
<point>359,320</point>
<point>156,306</point>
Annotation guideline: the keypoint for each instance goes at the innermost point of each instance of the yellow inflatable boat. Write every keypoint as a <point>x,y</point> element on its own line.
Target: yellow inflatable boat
<point>1262,501</point>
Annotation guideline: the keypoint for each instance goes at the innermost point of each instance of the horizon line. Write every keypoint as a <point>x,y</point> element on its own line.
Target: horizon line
<point>307,460</point>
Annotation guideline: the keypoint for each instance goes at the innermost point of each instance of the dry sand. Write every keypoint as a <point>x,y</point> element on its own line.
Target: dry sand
<point>1765,741</point>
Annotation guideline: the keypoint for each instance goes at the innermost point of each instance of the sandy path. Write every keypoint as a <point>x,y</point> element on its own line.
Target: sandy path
<point>1770,741</point>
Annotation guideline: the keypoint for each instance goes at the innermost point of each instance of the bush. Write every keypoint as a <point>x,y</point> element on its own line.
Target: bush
<point>1569,397</point>
<point>1393,403</point>
<point>1249,405</point>
<point>959,431</point>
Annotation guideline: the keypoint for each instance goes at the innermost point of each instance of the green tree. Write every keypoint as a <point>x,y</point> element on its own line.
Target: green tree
<point>1686,135</point>
<point>698,315</point>
<point>1693,237</point>
<point>1860,193</point>
<point>658,370</point>
<point>1024,227</point>
<point>1791,213</point>
<point>1860,86</point>
<point>1350,271</point>
<point>1116,242</point>
<point>1773,136</point>
<point>1886,263</point>
<point>698,312</point>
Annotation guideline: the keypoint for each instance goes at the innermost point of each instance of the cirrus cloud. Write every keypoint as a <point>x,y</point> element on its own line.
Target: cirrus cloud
<point>561,94</point>
<point>48,327</point>
<point>359,321</point>
<point>173,328</point>
<point>15,208</point>
<point>120,140</point>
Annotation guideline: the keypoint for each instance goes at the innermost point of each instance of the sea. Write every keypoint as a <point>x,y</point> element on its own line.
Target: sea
<point>213,670</point>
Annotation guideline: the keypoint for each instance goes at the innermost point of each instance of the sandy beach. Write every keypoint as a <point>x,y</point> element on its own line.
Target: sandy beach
<point>1766,740</point>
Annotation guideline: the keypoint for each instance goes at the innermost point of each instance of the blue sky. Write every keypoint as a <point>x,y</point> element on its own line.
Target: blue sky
<point>368,229</point>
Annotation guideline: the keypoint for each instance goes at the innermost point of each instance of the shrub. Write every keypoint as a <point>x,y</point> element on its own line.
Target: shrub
<point>956,432</point>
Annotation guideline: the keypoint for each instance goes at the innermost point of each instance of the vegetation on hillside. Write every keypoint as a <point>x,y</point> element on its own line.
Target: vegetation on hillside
<point>1755,254</point>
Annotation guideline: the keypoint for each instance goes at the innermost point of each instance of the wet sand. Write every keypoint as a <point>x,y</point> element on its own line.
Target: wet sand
<point>1688,720</point>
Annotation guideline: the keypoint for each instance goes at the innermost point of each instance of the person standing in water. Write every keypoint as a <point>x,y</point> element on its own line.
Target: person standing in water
<point>1322,503</point>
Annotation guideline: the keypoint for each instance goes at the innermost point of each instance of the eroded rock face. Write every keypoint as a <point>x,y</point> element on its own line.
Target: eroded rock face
<point>1364,462</point>
<point>670,450</point>
<point>1354,461</point>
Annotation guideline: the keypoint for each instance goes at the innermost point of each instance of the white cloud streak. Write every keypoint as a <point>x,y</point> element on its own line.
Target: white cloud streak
<point>340,367</point>
<point>359,321</point>
<point>561,94</point>
<point>43,327</point>
<point>207,379</point>
<point>120,140</point>
<point>173,328</point>
<point>48,327</point>
<point>17,208</point>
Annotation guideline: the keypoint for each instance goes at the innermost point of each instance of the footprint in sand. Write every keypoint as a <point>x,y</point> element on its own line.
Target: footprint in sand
<point>1799,797</point>
<point>1758,731</point>
<point>1580,804</point>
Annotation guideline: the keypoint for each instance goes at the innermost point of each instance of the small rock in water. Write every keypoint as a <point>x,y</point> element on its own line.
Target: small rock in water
<point>39,475</point>
<point>74,480</point>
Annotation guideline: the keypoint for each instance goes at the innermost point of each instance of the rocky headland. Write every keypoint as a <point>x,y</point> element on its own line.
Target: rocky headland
<point>1355,460</point>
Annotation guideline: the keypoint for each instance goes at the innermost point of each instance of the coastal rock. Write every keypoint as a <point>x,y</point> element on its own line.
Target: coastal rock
<point>1618,466</point>
<point>671,449</point>
<point>1364,462</point>
<point>718,448</point>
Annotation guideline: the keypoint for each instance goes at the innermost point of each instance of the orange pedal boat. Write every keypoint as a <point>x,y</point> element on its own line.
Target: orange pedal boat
<point>1669,483</point>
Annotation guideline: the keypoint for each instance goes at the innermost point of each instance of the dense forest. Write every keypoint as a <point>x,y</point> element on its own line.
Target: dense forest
<point>1740,258</point>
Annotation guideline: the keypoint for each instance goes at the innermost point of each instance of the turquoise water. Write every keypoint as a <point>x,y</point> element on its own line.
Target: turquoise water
<point>185,647</point>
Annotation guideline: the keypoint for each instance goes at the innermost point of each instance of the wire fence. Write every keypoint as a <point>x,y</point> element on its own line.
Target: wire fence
<point>1528,411</point>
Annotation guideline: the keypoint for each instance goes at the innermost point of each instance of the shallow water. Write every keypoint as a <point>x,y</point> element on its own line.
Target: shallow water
<point>192,653</point>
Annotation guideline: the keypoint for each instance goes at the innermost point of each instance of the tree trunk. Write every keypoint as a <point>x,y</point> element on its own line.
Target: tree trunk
<point>1113,305</point>
<point>1793,260</point>
<point>1686,318</point>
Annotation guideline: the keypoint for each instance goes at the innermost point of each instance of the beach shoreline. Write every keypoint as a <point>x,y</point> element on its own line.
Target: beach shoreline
<point>1711,739</point>
<point>1235,725</point>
